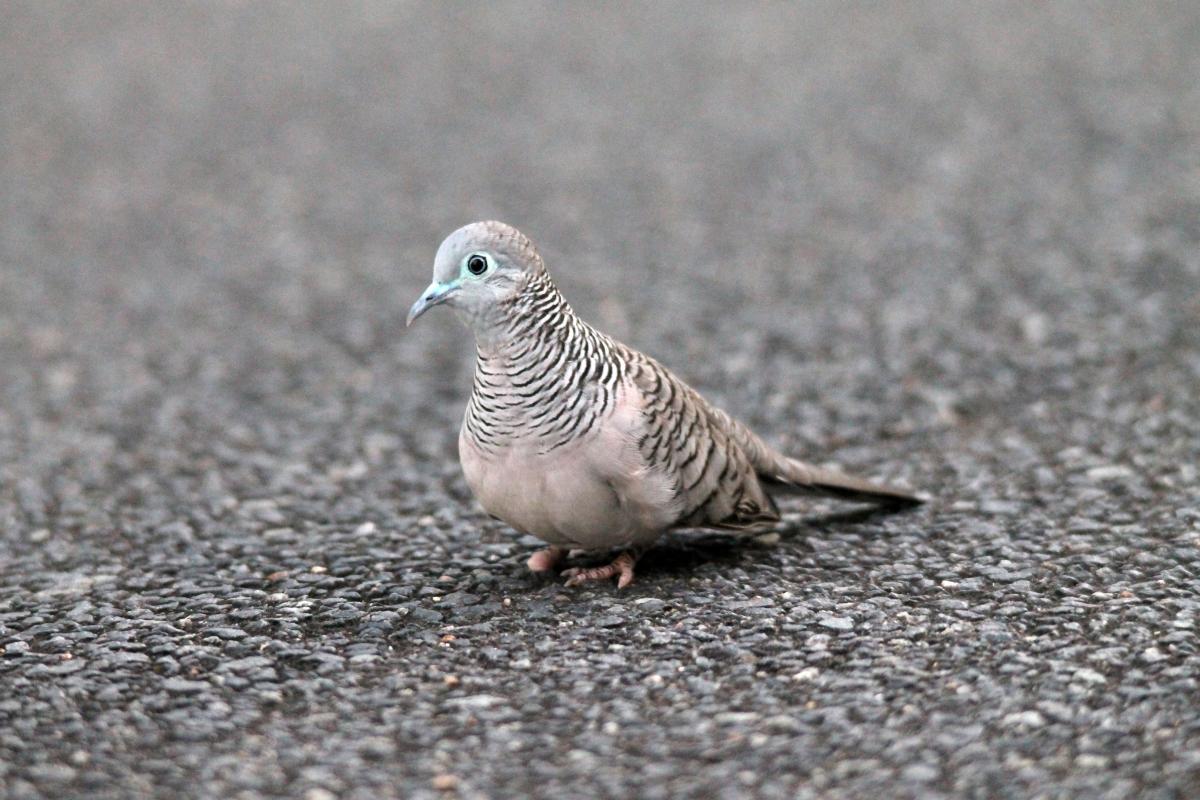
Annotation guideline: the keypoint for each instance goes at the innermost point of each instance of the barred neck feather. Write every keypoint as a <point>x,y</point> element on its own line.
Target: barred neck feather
<point>542,375</point>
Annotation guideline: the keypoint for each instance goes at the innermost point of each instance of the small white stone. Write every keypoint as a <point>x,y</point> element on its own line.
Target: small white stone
<point>1028,719</point>
<point>1153,654</point>
<point>477,701</point>
<point>837,623</point>
<point>1035,328</point>
<point>1112,472</point>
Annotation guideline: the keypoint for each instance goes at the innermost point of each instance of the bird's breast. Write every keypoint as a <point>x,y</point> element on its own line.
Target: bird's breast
<point>554,496</point>
<point>584,493</point>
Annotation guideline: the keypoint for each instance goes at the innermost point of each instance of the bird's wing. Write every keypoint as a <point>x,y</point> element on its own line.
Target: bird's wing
<point>723,473</point>
<point>681,438</point>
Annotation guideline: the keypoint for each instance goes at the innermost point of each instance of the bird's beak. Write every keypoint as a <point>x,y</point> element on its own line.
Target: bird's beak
<point>434,294</point>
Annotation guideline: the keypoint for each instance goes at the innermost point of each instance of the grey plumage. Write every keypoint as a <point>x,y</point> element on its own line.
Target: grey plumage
<point>575,438</point>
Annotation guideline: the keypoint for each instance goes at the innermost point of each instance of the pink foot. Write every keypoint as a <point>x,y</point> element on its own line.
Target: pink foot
<point>545,560</point>
<point>621,568</point>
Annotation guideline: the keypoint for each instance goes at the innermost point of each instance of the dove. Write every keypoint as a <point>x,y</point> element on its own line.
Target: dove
<point>588,444</point>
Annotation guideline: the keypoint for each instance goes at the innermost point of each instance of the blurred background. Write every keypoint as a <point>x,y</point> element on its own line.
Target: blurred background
<point>956,245</point>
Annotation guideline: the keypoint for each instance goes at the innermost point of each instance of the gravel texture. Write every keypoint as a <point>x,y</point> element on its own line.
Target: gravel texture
<point>953,246</point>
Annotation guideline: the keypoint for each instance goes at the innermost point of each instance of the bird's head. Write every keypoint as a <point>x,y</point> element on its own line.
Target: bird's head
<point>476,270</point>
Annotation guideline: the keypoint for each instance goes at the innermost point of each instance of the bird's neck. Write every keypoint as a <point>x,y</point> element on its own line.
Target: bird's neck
<point>543,377</point>
<point>536,321</point>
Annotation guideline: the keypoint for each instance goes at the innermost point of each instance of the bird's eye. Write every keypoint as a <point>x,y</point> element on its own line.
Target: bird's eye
<point>477,264</point>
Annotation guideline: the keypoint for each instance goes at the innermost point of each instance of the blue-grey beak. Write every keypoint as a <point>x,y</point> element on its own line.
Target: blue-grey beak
<point>436,293</point>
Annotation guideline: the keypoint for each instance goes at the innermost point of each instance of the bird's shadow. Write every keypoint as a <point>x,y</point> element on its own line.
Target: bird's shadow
<point>680,553</point>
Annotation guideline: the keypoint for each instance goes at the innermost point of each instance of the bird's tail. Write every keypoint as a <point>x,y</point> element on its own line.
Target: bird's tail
<point>780,473</point>
<point>796,476</point>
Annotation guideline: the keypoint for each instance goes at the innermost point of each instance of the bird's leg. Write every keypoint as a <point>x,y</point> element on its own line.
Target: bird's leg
<point>546,559</point>
<point>621,568</point>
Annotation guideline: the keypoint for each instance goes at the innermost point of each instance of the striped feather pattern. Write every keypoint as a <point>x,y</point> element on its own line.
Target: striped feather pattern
<point>553,379</point>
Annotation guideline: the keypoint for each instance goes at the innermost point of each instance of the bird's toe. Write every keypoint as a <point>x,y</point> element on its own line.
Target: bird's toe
<point>621,568</point>
<point>546,559</point>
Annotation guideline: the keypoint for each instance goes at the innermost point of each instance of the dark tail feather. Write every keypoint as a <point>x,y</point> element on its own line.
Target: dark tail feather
<point>806,479</point>
<point>781,473</point>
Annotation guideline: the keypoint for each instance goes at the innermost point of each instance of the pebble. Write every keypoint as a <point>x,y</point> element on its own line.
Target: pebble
<point>181,686</point>
<point>445,782</point>
<point>837,623</point>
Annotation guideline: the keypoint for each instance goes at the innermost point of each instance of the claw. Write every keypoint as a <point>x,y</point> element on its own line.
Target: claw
<point>621,568</point>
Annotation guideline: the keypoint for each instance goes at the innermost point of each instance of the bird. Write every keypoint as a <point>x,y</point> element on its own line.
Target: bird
<point>586,443</point>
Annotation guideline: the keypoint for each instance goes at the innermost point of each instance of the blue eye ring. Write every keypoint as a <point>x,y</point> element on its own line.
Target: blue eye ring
<point>477,264</point>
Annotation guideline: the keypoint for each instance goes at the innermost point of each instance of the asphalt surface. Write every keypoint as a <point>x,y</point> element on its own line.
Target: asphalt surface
<point>953,247</point>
